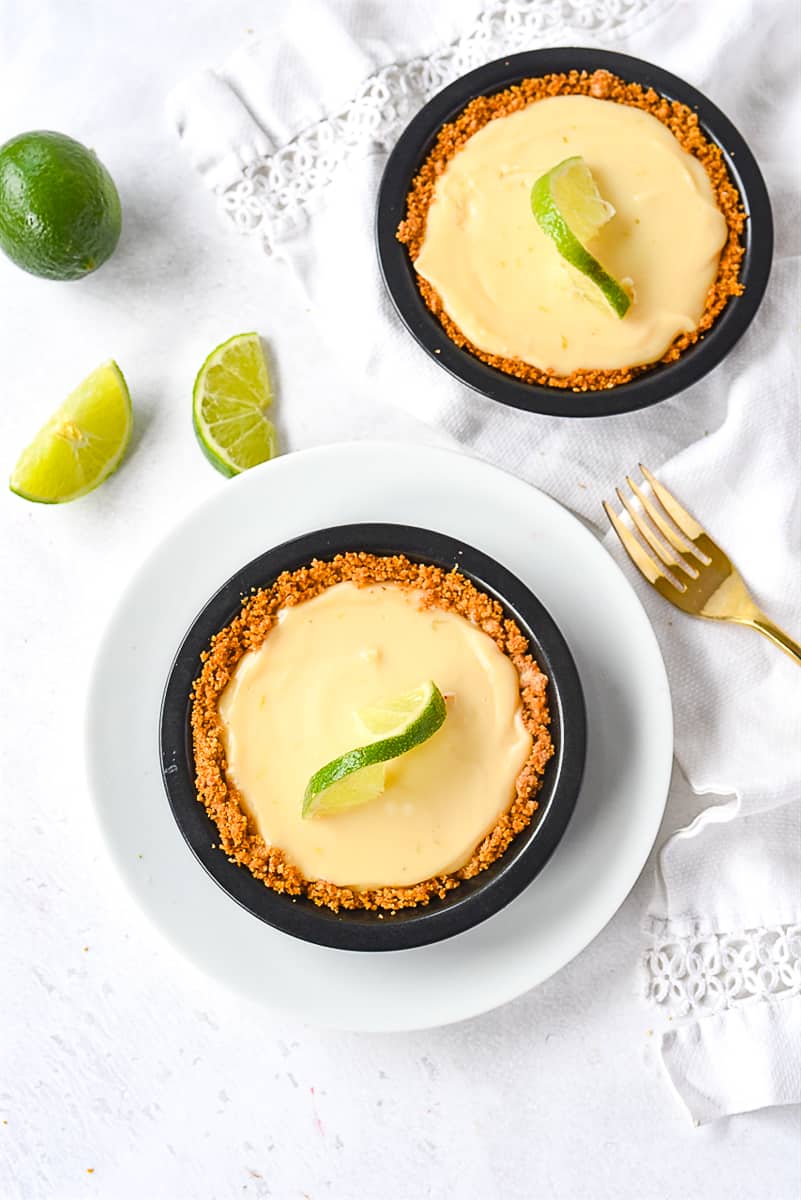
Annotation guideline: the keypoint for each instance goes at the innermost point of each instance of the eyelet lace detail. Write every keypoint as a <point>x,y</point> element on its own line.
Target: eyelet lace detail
<point>693,977</point>
<point>272,197</point>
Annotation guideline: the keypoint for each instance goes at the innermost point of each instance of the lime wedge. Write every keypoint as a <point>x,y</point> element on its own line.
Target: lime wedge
<point>82,443</point>
<point>399,725</point>
<point>571,211</point>
<point>230,401</point>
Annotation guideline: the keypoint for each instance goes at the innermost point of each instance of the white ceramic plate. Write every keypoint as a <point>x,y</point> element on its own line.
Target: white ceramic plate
<point>629,751</point>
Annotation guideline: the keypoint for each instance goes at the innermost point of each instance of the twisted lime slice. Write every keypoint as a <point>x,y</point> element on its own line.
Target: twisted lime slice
<point>229,406</point>
<point>571,211</point>
<point>399,725</point>
<point>81,444</point>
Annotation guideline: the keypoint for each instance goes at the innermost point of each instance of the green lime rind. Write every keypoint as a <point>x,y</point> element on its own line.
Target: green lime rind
<point>431,714</point>
<point>82,443</point>
<point>231,395</point>
<point>60,212</point>
<point>551,220</point>
<point>216,461</point>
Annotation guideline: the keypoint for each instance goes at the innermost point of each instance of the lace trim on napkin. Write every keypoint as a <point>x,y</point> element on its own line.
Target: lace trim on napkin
<point>272,196</point>
<point>697,976</point>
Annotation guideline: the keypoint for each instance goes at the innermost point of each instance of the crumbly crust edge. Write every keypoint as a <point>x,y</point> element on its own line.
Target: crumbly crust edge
<point>239,838</point>
<point>602,85</point>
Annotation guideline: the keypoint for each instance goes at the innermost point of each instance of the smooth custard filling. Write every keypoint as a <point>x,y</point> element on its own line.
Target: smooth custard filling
<point>501,279</point>
<point>290,707</point>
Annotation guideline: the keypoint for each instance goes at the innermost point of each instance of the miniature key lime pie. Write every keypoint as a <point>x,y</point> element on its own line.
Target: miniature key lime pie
<point>574,230</point>
<point>368,732</point>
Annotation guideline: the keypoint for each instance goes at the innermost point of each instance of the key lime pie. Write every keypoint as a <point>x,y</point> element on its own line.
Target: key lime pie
<point>368,732</point>
<point>574,230</point>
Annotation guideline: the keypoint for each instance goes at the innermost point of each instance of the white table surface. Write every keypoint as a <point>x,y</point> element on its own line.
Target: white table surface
<point>124,1074</point>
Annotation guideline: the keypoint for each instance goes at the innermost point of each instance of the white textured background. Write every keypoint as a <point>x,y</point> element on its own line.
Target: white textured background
<point>124,1074</point>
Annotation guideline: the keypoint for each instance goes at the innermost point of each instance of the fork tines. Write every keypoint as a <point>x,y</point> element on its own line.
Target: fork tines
<point>664,526</point>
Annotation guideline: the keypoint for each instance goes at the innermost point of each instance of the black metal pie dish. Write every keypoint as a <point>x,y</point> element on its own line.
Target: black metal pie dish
<point>657,383</point>
<point>474,900</point>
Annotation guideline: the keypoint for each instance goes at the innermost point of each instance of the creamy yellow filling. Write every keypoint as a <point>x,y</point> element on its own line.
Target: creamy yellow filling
<point>503,282</point>
<point>290,707</point>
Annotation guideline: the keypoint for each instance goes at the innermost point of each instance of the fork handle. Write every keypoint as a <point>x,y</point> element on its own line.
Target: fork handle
<point>770,630</point>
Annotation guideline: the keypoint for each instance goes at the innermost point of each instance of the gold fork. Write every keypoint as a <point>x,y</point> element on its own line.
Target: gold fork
<point>689,570</point>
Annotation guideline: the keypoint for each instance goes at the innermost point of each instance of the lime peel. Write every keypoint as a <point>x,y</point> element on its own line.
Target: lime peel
<point>358,776</point>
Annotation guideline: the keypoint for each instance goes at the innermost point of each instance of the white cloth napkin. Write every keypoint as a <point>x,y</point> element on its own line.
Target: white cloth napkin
<point>293,134</point>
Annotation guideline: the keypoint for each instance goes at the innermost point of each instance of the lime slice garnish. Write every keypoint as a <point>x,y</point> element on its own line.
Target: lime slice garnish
<point>571,211</point>
<point>82,443</point>
<point>359,787</point>
<point>400,725</point>
<point>230,402</point>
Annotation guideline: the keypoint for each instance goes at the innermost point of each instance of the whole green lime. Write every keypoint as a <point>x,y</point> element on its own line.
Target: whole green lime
<point>60,214</point>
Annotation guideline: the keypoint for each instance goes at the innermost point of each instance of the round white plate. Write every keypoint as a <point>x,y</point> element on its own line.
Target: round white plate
<point>629,752</point>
